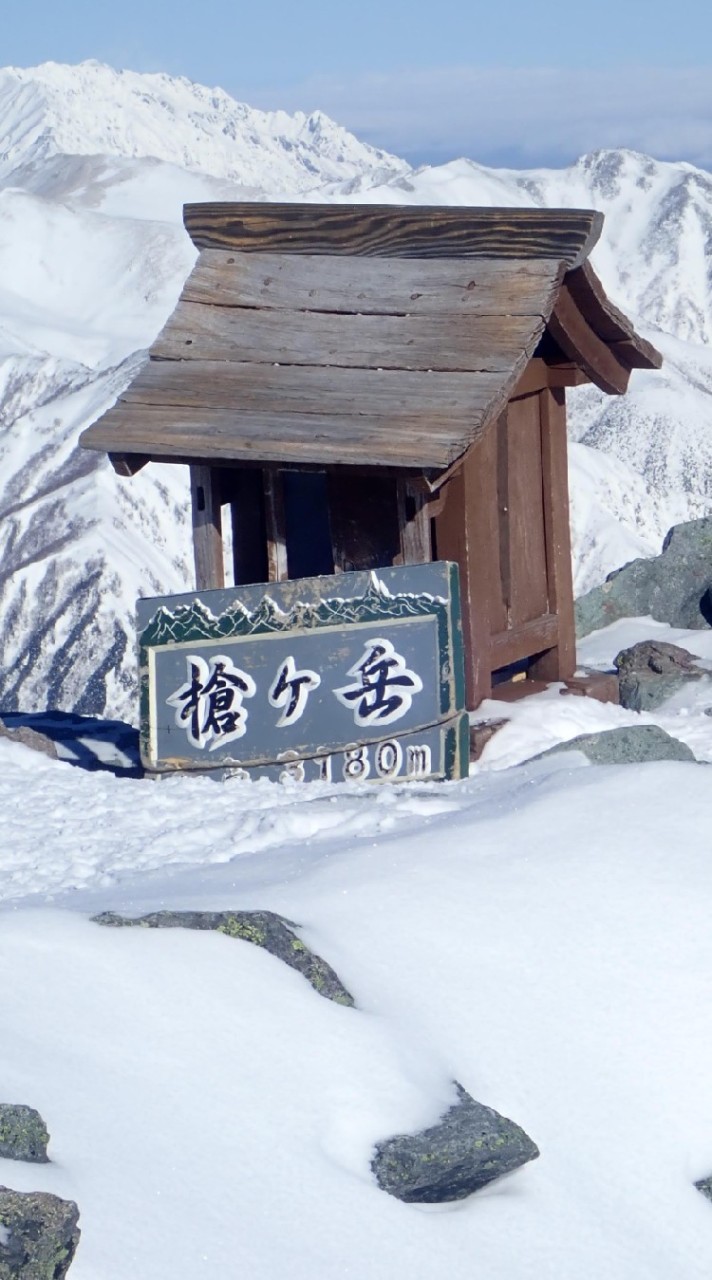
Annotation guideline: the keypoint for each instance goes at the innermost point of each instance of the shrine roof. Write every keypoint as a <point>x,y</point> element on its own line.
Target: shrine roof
<point>366,335</point>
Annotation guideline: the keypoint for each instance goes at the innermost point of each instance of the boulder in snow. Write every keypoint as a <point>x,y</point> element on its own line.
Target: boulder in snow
<point>29,738</point>
<point>652,671</point>
<point>674,587</point>
<point>23,1134</point>
<point>39,1237</point>
<point>469,1147</point>
<point>632,744</point>
<point>264,928</point>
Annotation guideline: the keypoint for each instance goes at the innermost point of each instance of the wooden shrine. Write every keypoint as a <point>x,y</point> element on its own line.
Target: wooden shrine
<point>367,386</point>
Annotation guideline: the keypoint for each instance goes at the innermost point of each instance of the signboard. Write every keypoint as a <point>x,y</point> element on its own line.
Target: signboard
<point>353,676</point>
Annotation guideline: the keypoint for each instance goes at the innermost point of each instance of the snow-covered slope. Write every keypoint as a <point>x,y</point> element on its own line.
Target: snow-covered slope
<point>92,110</point>
<point>94,168</point>
<point>655,262</point>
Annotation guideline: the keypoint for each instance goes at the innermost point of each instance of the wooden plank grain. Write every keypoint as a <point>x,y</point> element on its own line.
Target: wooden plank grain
<point>381,286</point>
<point>441,342</point>
<point>229,435</point>
<point>581,344</point>
<point>395,230</point>
<point>524,517</point>
<point>207,528</point>
<point>420,396</point>
<point>608,322</point>
<point>560,662</point>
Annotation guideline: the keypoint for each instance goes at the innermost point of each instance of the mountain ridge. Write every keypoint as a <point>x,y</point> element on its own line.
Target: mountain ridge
<point>93,256</point>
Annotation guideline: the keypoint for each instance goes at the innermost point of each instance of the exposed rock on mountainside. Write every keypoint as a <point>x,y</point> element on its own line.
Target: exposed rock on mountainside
<point>674,587</point>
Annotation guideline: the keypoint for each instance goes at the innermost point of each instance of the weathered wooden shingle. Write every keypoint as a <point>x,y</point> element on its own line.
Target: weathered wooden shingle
<point>368,335</point>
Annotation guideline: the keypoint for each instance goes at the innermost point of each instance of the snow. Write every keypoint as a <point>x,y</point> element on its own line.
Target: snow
<point>539,932</point>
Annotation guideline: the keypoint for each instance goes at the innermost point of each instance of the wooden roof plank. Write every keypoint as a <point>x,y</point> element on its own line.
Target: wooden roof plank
<point>197,332</point>
<point>305,389</point>
<point>570,329</point>
<point>397,231</point>
<point>608,322</point>
<point>167,431</point>
<point>380,286</point>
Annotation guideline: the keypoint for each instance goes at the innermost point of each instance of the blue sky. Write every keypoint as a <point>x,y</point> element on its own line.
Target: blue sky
<point>507,82</point>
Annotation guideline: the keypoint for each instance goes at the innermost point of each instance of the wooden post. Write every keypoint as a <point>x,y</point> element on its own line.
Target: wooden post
<point>275,524</point>
<point>558,663</point>
<point>207,528</point>
<point>413,523</point>
<point>464,533</point>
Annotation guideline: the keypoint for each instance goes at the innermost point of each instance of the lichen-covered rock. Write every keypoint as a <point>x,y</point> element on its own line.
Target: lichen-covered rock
<point>632,744</point>
<point>705,1186</point>
<point>263,928</point>
<point>23,1134</point>
<point>674,587</point>
<point>469,1147</point>
<point>652,671</point>
<point>40,1235</point>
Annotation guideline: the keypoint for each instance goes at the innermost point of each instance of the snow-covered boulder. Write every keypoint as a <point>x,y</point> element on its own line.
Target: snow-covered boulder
<point>468,1148</point>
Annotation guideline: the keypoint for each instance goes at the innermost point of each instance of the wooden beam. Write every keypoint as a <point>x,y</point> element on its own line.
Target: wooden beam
<point>277,569</point>
<point>529,637</point>
<point>207,527</point>
<point>127,464</point>
<point>402,231</point>
<point>608,322</point>
<point>466,532</point>
<point>413,523</point>
<point>560,662</point>
<point>571,331</point>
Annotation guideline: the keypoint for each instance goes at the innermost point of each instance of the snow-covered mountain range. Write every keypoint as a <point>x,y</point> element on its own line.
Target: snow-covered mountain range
<point>95,166</point>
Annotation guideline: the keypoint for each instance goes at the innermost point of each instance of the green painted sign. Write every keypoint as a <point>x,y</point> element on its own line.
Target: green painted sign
<point>353,676</point>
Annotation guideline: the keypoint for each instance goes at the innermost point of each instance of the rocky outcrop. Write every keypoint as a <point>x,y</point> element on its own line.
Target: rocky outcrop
<point>468,1148</point>
<point>674,587</point>
<point>39,1235</point>
<point>263,928</point>
<point>705,1186</point>
<point>652,671</point>
<point>633,744</point>
<point>23,1134</point>
<point>29,738</point>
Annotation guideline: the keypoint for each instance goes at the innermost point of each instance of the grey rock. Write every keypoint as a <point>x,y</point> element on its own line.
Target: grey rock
<point>23,1134</point>
<point>263,928</point>
<point>633,744</point>
<point>40,1237</point>
<point>29,738</point>
<point>705,1186</point>
<point>468,1148</point>
<point>652,671</point>
<point>674,587</point>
